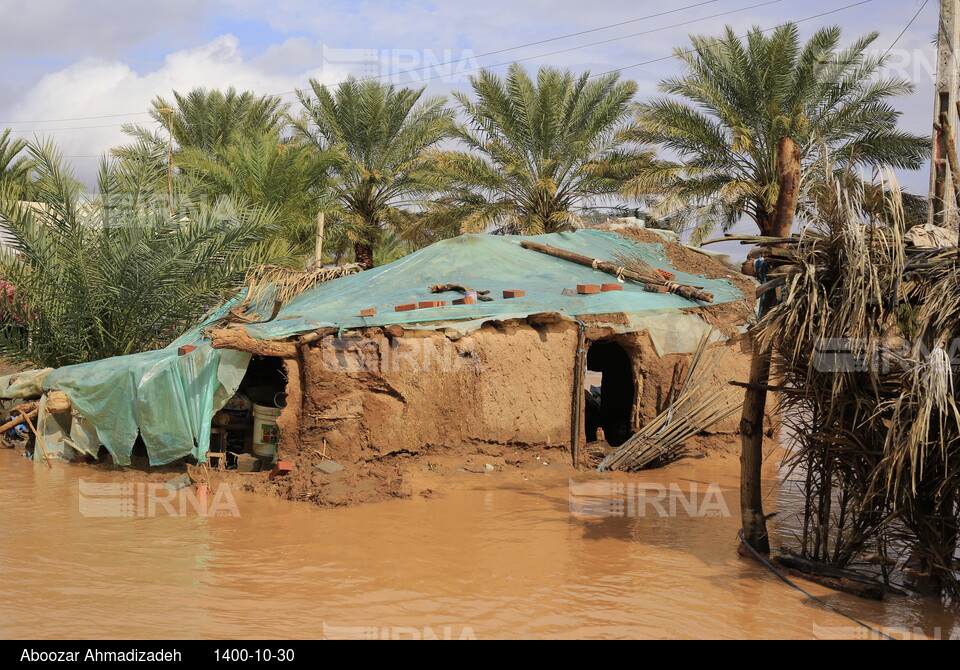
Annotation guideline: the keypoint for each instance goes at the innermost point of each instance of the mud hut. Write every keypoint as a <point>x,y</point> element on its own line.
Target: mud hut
<point>400,361</point>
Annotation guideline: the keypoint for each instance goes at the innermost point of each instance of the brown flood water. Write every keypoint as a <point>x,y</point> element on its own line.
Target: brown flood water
<point>482,563</point>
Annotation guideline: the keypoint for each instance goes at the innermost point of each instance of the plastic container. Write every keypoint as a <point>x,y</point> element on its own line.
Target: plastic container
<point>265,431</point>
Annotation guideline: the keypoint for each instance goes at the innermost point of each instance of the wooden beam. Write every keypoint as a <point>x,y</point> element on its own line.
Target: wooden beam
<point>683,290</point>
<point>576,419</point>
<point>239,340</point>
<point>944,102</point>
<point>20,419</point>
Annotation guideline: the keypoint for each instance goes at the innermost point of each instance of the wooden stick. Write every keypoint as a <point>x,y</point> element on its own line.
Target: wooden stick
<point>752,239</point>
<point>683,290</point>
<point>318,242</point>
<point>39,439</point>
<point>15,422</point>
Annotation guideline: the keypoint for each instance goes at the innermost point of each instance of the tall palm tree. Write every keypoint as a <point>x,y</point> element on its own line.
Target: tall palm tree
<point>14,167</point>
<point>376,139</point>
<point>737,98</point>
<point>225,143</point>
<point>539,150</point>
<point>202,120</point>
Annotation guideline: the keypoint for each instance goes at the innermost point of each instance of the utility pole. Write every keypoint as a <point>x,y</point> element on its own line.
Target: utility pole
<point>942,209</point>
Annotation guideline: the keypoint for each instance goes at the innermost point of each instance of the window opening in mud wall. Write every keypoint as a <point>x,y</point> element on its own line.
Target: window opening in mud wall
<point>609,389</point>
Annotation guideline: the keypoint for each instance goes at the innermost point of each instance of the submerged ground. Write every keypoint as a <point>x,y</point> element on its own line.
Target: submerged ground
<point>496,559</point>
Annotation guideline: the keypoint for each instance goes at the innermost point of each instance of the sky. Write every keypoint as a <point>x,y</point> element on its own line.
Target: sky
<point>73,72</point>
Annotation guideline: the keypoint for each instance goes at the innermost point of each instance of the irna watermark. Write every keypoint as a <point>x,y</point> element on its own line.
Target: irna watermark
<point>593,500</point>
<point>150,499</point>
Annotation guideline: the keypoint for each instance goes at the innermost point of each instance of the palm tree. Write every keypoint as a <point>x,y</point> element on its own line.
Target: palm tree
<point>538,150</point>
<point>207,120</point>
<point>263,171</point>
<point>225,144</point>
<point>376,140</point>
<point>738,97</point>
<point>202,120</point>
<point>14,168</point>
<point>113,275</point>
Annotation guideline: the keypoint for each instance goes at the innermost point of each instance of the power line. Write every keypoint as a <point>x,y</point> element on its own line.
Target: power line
<point>77,118</point>
<point>905,29</point>
<point>765,30</point>
<point>599,74</point>
<point>551,39</point>
<point>613,39</point>
<point>488,53</point>
<point>53,130</point>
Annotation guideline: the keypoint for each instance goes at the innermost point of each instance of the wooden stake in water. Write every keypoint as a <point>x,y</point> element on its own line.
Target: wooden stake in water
<point>39,439</point>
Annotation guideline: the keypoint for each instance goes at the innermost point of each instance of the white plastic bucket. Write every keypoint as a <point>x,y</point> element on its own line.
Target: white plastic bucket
<point>265,431</point>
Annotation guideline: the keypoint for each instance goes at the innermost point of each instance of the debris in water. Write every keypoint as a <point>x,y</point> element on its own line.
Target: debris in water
<point>178,482</point>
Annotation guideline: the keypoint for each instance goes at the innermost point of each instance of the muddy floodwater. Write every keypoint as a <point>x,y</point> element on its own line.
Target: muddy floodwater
<point>489,562</point>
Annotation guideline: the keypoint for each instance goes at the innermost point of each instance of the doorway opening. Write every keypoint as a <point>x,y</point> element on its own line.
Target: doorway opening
<point>610,392</point>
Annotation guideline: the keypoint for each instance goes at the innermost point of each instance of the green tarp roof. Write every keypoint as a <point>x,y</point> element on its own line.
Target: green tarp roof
<point>170,399</point>
<point>489,262</point>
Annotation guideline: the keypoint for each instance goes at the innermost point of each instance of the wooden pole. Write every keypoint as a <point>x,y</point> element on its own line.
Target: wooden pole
<point>170,168</point>
<point>168,113</point>
<point>950,147</point>
<point>20,419</point>
<point>579,372</point>
<point>318,246</point>
<point>755,397</point>
<point>941,209</point>
<point>39,440</point>
<point>683,290</point>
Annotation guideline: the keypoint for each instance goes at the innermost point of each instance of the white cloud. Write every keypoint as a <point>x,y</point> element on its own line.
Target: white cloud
<point>96,86</point>
<point>51,28</point>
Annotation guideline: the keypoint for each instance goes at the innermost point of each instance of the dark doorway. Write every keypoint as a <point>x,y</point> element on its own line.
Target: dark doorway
<point>265,381</point>
<point>610,405</point>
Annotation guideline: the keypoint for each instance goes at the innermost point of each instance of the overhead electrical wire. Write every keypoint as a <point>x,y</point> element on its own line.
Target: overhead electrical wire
<point>599,74</point>
<point>764,30</point>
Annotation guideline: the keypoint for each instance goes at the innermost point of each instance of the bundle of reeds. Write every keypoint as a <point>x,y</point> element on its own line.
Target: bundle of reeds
<point>635,263</point>
<point>701,402</point>
<point>284,284</point>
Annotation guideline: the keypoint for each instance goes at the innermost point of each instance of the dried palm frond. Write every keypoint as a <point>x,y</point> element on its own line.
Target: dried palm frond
<point>865,341</point>
<point>270,287</point>
<point>285,284</point>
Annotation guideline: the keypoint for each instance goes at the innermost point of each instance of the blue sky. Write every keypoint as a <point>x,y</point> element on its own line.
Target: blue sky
<point>67,60</point>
